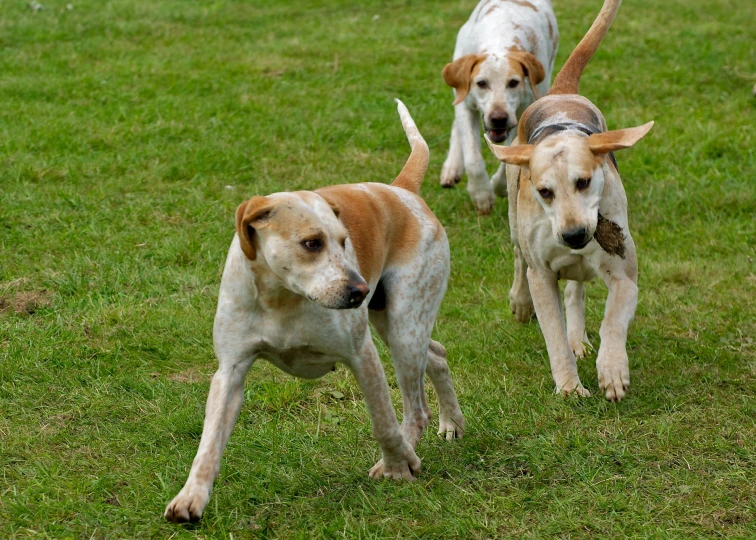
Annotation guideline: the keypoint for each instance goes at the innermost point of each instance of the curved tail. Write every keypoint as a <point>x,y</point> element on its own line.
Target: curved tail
<point>568,79</point>
<point>412,174</point>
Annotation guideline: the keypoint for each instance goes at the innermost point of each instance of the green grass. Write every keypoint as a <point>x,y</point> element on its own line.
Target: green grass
<point>129,133</point>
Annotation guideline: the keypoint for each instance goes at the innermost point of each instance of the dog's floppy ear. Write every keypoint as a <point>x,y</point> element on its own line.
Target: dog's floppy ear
<point>532,67</point>
<point>610,141</point>
<point>459,74</point>
<point>335,207</point>
<point>250,214</point>
<point>513,155</point>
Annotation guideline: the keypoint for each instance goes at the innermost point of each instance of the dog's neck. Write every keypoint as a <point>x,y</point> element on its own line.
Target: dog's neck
<point>268,291</point>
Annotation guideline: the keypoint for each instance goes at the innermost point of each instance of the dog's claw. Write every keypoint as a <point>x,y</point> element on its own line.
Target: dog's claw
<point>186,507</point>
<point>614,378</point>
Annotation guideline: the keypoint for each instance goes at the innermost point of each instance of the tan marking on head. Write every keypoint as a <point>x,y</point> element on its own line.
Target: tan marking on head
<point>460,73</point>
<point>251,214</point>
<point>527,65</point>
<point>382,229</point>
<point>524,3</point>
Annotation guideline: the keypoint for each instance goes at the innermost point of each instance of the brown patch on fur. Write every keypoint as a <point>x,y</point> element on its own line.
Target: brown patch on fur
<point>551,30</point>
<point>26,302</point>
<point>460,73</point>
<point>483,5</point>
<point>523,3</point>
<point>382,229</point>
<point>567,80</point>
<point>247,214</point>
<point>528,66</point>
<point>492,8</point>
<point>610,237</point>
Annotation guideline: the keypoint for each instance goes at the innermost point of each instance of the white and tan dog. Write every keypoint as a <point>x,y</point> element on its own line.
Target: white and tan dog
<point>503,43</point>
<point>305,273</point>
<point>568,219</point>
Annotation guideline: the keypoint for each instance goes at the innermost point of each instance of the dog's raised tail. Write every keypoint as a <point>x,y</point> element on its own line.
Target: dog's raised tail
<point>414,170</point>
<point>568,79</point>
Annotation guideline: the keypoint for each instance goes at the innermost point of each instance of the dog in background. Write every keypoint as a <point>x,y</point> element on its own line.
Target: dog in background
<point>502,63</point>
<point>305,273</point>
<point>568,219</point>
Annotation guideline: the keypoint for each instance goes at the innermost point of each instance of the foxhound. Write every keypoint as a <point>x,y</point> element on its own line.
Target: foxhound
<point>568,219</point>
<point>503,43</point>
<point>305,274</point>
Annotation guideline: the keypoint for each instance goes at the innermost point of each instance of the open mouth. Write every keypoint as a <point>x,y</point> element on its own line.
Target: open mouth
<point>497,135</point>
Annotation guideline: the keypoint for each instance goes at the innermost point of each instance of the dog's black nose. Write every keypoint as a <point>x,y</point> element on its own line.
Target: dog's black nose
<point>576,238</point>
<point>357,292</point>
<point>498,119</point>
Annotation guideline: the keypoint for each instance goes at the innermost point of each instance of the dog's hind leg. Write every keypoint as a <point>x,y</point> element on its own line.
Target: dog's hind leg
<point>451,423</point>
<point>574,303</point>
<point>454,166</point>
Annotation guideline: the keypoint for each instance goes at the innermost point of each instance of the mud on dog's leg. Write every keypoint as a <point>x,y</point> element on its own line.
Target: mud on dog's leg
<point>454,166</point>
<point>546,297</point>
<point>223,404</point>
<point>574,303</point>
<point>399,459</point>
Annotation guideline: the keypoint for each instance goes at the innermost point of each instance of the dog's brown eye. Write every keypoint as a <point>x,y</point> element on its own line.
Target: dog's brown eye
<point>482,84</point>
<point>583,183</point>
<point>313,244</point>
<point>513,83</point>
<point>546,194</point>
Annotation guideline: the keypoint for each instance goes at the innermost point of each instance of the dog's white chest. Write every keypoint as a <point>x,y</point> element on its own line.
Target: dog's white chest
<point>302,361</point>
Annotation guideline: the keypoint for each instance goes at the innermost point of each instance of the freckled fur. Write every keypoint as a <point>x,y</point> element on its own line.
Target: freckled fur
<point>265,311</point>
<point>502,40</point>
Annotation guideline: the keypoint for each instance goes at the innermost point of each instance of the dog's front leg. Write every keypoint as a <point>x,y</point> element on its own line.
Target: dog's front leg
<point>479,186</point>
<point>520,300</point>
<point>454,166</point>
<point>612,363</point>
<point>399,458</point>
<point>574,302</point>
<point>545,291</point>
<point>223,404</point>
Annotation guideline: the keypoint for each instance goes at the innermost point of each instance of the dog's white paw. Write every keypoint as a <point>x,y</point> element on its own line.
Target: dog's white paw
<point>452,426</point>
<point>613,377</point>
<point>522,306</point>
<point>451,174</point>
<point>188,505</point>
<point>573,389</point>
<point>401,467</point>
<point>483,200</point>
<point>580,347</point>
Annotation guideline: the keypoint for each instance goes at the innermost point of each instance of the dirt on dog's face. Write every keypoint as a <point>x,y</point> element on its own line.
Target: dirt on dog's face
<point>567,179</point>
<point>299,237</point>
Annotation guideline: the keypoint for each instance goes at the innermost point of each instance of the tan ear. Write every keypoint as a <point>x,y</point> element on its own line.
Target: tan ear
<point>532,67</point>
<point>610,141</point>
<point>250,214</point>
<point>459,74</point>
<point>514,155</point>
<point>335,207</point>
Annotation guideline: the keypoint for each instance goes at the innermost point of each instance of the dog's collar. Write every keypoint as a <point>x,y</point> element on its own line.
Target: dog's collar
<point>544,130</point>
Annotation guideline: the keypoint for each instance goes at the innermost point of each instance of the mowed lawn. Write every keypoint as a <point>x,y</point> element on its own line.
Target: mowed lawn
<point>129,133</point>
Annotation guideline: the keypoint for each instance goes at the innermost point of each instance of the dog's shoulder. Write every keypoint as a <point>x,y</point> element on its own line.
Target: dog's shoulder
<point>384,223</point>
